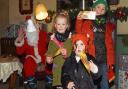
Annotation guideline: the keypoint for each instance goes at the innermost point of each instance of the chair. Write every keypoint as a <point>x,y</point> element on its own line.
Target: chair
<point>7,46</point>
<point>8,49</point>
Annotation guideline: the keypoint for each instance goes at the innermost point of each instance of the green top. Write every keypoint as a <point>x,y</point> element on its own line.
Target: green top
<point>58,61</point>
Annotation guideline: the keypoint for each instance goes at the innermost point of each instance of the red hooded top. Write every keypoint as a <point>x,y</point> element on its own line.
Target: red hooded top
<point>85,27</point>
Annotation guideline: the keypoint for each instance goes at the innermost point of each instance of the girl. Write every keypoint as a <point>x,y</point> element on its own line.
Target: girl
<point>59,47</point>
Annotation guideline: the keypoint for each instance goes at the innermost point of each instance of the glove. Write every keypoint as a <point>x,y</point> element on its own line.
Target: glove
<point>40,67</point>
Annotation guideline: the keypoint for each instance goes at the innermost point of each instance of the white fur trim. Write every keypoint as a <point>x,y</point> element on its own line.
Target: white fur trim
<point>31,27</point>
<point>77,59</point>
<point>34,58</point>
<point>38,57</point>
<point>19,44</point>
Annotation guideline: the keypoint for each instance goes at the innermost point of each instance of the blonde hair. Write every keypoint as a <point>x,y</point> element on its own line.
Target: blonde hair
<point>61,15</point>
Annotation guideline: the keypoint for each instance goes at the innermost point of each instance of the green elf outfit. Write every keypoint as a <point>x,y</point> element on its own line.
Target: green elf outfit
<point>58,60</point>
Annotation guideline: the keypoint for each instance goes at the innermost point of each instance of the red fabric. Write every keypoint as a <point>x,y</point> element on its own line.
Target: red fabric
<point>27,17</point>
<point>85,27</point>
<point>29,63</point>
<point>111,75</point>
<point>29,67</point>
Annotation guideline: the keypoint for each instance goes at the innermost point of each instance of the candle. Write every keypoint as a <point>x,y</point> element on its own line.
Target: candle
<point>83,4</point>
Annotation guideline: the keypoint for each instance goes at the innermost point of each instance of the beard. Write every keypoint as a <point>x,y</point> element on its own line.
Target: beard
<point>32,38</point>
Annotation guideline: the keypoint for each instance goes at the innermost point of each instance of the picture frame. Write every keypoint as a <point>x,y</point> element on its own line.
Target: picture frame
<point>26,6</point>
<point>68,4</point>
<point>113,2</point>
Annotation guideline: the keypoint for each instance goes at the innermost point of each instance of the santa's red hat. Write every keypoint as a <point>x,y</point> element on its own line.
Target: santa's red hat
<point>81,37</point>
<point>27,17</point>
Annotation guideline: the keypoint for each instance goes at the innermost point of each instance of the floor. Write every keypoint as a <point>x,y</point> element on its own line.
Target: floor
<point>40,85</point>
<point>19,85</point>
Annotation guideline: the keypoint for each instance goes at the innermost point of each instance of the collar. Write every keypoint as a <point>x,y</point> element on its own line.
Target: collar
<point>77,58</point>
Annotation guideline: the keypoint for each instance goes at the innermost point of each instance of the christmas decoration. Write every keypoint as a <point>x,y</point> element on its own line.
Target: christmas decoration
<point>72,14</point>
<point>50,16</point>
<point>121,14</point>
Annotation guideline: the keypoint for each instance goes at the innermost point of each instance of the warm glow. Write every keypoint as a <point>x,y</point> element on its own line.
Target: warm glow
<point>41,12</point>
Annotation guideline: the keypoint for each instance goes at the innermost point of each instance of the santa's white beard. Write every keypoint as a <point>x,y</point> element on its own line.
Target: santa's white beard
<point>32,38</point>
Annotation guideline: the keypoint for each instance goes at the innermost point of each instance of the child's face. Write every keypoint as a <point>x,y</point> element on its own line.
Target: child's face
<point>79,47</point>
<point>100,9</point>
<point>61,24</point>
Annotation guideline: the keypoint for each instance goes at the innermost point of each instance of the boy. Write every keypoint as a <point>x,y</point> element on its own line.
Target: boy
<point>80,67</point>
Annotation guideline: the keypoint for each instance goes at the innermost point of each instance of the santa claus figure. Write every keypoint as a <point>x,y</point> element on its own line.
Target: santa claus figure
<point>32,42</point>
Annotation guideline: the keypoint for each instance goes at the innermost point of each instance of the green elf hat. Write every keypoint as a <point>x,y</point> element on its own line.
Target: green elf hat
<point>96,2</point>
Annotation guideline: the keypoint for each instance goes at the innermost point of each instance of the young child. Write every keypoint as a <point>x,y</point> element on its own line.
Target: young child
<point>80,67</point>
<point>59,47</point>
<point>101,42</point>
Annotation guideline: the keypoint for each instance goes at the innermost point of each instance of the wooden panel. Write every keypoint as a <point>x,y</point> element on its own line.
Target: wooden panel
<point>7,46</point>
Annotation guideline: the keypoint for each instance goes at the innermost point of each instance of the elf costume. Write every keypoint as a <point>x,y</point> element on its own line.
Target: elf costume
<point>59,41</point>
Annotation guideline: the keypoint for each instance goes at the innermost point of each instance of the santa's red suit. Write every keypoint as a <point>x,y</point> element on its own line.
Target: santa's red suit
<point>33,45</point>
<point>32,52</point>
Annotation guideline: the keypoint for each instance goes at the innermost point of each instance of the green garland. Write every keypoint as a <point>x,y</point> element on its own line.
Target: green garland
<point>72,14</point>
<point>121,14</point>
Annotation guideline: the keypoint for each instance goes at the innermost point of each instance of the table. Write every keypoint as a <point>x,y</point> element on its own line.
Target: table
<point>9,67</point>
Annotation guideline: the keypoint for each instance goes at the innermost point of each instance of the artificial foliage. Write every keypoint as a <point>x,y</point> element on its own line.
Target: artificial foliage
<point>121,14</point>
<point>72,14</point>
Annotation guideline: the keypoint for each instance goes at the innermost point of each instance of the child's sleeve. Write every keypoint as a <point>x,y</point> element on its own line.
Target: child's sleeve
<point>78,26</point>
<point>68,46</point>
<point>94,75</point>
<point>52,49</point>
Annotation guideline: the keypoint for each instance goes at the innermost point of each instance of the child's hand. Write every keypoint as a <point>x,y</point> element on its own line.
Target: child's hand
<point>93,67</point>
<point>52,36</point>
<point>63,52</point>
<point>70,85</point>
<point>70,35</point>
<point>49,60</point>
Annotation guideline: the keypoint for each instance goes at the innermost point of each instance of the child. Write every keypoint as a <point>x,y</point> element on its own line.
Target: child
<point>59,47</point>
<point>80,67</point>
<point>101,42</point>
